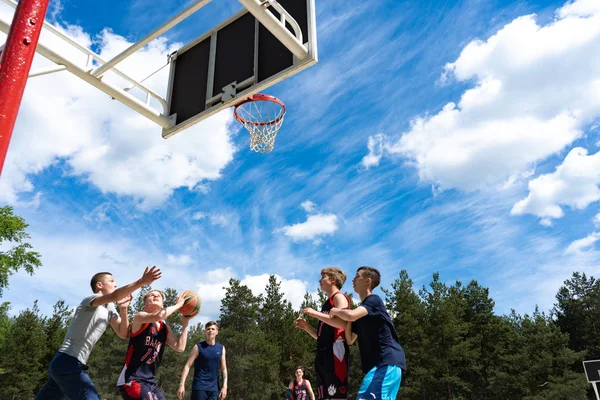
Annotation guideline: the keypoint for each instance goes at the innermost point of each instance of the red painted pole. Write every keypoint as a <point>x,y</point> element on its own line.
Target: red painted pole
<point>15,63</point>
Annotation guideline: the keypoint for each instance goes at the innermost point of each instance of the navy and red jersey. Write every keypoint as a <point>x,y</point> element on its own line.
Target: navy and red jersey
<point>327,334</point>
<point>144,353</point>
<point>299,391</point>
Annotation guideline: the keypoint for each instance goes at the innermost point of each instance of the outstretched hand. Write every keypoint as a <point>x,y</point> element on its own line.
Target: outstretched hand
<point>150,275</point>
<point>124,302</point>
<point>180,300</point>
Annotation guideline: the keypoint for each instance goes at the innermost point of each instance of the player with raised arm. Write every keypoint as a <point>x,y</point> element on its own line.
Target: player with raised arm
<point>67,375</point>
<point>149,335</point>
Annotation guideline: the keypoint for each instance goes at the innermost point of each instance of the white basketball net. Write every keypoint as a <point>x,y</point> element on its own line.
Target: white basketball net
<point>262,118</point>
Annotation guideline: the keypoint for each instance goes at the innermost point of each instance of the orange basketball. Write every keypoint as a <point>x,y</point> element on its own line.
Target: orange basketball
<point>192,304</point>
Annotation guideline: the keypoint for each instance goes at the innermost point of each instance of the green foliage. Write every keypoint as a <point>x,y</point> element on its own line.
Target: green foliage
<point>456,347</point>
<point>21,360</point>
<point>12,230</point>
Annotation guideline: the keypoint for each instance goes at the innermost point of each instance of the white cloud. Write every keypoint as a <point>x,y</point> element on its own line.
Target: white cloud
<point>582,244</point>
<point>308,206</point>
<point>376,147</point>
<point>531,98</point>
<point>102,141</point>
<point>581,8</point>
<point>315,226</point>
<point>293,289</point>
<point>182,260</point>
<point>597,220</point>
<point>214,218</point>
<point>574,183</point>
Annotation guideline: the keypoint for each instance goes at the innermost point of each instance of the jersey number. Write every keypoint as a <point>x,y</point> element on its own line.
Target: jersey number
<point>151,359</point>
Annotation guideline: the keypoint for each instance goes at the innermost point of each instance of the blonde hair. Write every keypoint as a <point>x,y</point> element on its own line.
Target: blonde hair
<point>154,290</point>
<point>338,276</point>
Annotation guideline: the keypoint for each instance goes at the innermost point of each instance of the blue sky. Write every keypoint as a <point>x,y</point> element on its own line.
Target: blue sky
<point>452,136</point>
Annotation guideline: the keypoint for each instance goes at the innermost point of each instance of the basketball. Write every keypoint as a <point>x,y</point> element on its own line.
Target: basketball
<point>192,304</point>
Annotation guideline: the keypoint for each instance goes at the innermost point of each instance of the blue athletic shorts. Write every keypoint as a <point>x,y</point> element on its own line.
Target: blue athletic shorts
<point>204,395</point>
<point>381,383</point>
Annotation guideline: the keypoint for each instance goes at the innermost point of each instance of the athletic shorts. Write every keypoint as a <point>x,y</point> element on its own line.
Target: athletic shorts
<point>135,390</point>
<point>204,395</point>
<point>381,383</point>
<point>332,365</point>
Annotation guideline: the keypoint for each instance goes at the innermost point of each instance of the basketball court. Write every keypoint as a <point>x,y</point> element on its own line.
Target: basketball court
<point>264,43</point>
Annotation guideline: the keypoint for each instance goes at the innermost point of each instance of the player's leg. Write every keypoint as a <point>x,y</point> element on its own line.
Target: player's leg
<point>391,382</point>
<point>381,383</point>
<point>334,371</point>
<point>50,391</point>
<point>70,375</point>
<point>320,367</point>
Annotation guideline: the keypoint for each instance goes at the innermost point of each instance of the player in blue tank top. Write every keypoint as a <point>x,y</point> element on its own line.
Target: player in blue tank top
<point>381,355</point>
<point>208,358</point>
<point>148,338</point>
<point>299,388</point>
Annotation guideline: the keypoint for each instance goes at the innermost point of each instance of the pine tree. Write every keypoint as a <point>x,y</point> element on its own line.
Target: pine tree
<point>21,361</point>
<point>408,314</point>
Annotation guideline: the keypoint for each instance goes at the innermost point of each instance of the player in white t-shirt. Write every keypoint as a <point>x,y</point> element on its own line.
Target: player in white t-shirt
<point>67,374</point>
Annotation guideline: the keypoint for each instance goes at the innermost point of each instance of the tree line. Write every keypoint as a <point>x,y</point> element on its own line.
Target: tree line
<point>456,347</point>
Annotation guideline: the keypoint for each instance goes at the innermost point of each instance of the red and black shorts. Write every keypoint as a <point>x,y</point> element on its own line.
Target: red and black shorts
<point>332,365</point>
<point>135,390</point>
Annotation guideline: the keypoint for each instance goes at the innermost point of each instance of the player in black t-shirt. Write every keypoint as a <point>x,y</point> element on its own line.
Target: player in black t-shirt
<point>381,355</point>
<point>331,361</point>
<point>147,340</point>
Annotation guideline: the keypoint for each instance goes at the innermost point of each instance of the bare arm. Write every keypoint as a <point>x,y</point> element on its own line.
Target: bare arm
<point>339,301</point>
<point>149,276</point>
<point>310,391</point>
<point>301,323</point>
<point>145,317</point>
<point>121,324</point>
<point>350,315</point>
<point>223,393</point>
<point>186,370</point>
<point>350,336</point>
<point>178,343</point>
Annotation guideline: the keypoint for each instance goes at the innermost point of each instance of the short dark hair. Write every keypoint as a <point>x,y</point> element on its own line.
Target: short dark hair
<point>98,278</point>
<point>373,274</point>
<point>211,323</point>
<point>299,367</point>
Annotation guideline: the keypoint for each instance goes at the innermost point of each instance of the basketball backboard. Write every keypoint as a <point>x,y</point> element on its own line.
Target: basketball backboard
<point>236,59</point>
<point>266,42</point>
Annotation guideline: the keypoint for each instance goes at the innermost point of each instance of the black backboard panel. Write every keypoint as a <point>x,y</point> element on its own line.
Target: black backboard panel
<point>235,52</point>
<point>592,370</point>
<point>188,92</point>
<point>238,50</point>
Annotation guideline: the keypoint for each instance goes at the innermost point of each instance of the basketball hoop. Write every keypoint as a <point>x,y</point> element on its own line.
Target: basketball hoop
<point>262,115</point>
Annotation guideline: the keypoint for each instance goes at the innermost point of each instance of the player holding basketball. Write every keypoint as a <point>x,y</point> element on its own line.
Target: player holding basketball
<point>331,361</point>
<point>300,388</point>
<point>208,357</point>
<point>67,375</point>
<point>381,355</point>
<point>149,334</point>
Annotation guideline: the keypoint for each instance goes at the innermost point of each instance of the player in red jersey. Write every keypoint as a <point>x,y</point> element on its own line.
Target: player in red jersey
<point>149,334</point>
<point>332,363</point>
